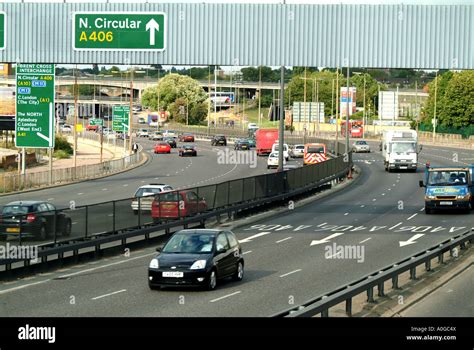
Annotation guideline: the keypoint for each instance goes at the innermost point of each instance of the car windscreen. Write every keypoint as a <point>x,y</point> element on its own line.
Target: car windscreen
<point>147,191</point>
<point>315,149</point>
<point>190,244</point>
<point>447,178</point>
<point>15,209</point>
<point>361,143</point>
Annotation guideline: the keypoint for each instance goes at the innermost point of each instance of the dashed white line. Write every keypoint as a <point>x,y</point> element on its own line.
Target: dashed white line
<point>411,217</point>
<point>373,200</point>
<point>422,209</point>
<point>362,206</point>
<point>365,240</point>
<point>284,239</point>
<point>289,273</point>
<point>80,193</point>
<point>225,296</point>
<point>104,189</point>
<point>345,214</point>
<point>247,252</point>
<point>383,194</point>
<point>50,199</point>
<point>109,294</point>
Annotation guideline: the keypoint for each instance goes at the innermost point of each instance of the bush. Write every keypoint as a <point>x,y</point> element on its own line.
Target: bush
<point>61,154</point>
<point>61,144</point>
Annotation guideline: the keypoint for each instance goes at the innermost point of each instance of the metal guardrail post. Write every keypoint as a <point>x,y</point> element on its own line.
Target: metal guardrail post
<point>139,211</point>
<point>428,265</point>
<point>395,282</point>
<point>87,220</point>
<point>370,295</point>
<point>413,273</point>
<point>325,313</point>
<point>441,258</point>
<point>113,216</point>
<point>380,289</point>
<point>349,307</point>
<point>55,225</point>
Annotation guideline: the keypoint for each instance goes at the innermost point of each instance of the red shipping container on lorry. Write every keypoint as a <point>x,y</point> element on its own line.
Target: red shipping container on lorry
<point>265,138</point>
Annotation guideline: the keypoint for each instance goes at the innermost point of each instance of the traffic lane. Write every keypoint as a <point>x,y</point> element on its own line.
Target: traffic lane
<point>161,168</point>
<point>454,299</point>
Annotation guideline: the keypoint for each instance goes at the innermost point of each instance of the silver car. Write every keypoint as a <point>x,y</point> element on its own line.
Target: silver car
<point>297,151</point>
<point>360,146</point>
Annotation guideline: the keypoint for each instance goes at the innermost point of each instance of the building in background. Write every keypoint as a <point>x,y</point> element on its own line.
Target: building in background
<point>5,70</point>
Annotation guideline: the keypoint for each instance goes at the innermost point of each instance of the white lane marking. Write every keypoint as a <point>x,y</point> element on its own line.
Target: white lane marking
<point>23,286</point>
<point>111,214</point>
<point>383,194</point>
<point>50,199</point>
<point>365,240</point>
<point>74,222</point>
<point>393,185</point>
<point>422,209</point>
<point>104,189</point>
<point>289,273</point>
<point>373,200</point>
<point>107,265</point>
<point>362,206</point>
<point>284,239</point>
<point>125,185</point>
<point>346,214</point>
<point>334,255</point>
<point>411,217</point>
<point>247,252</point>
<point>248,239</point>
<point>326,239</point>
<point>80,193</point>
<point>225,296</point>
<point>109,294</point>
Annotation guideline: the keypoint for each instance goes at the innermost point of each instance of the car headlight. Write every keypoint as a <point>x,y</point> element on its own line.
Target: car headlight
<point>465,197</point>
<point>154,264</point>
<point>198,265</point>
<point>430,197</point>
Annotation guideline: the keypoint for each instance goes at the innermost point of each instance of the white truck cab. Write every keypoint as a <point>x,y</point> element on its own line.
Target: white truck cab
<point>400,150</point>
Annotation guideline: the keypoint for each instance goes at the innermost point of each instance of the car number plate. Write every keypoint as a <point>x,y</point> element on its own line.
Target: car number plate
<point>13,229</point>
<point>446,203</point>
<point>174,274</point>
<point>403,167</point>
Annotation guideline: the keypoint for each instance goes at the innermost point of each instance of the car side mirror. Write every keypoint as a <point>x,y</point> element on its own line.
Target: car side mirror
<point>159,249</point>
<point>421,184</point>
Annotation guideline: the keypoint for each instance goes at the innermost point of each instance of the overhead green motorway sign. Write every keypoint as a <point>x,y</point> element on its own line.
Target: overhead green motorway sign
<point>94,122</point>
<point>34,122</point>
<point>119,31</point>
<point>3,29</point>
<point>120,118</point>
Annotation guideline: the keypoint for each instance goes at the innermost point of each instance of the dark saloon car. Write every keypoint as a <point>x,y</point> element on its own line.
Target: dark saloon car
<point>242,145</point>
<point>171,141</point>
<point>33,219</point>
<point>187,150</point>
<point>219,140</point>
<point>197,258</point>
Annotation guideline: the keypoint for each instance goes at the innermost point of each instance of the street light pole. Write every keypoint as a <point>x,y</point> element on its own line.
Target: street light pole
<point>130,115</point>
<point>337,110</point>
<point>347,113</point>
<point>75,122</point>
<point>435,121</point>
<point>317,104</point>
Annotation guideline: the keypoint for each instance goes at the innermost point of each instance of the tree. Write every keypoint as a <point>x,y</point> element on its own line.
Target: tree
<point>177,90</point>
<point>457,109</point>
<point>428,109</point>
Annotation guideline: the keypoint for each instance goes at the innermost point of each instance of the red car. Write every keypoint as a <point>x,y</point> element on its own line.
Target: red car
<point>186,137</point>
<point>162,147</point>
<point>175,205</point>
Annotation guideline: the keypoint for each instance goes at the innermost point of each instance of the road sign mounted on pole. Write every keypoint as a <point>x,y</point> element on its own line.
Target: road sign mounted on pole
<point>119,31</point>
<point>34,122</point>
<point>3,29</point>
<point>120,118</point>
<point>94,122</point>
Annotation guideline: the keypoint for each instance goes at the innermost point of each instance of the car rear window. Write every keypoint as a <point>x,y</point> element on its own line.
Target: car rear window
<point>170,197</point>
<point>299,147</point>
<point>142,191</point>
<point>16,209</point>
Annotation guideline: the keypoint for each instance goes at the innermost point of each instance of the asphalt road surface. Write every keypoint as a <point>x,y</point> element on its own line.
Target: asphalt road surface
<point>289,258</point>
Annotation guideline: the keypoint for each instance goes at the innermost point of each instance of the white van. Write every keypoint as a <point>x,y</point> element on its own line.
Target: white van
<point>286,154</point>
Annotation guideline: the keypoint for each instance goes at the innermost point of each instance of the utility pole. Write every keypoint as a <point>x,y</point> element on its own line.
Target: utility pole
<point>363,116</point>
<point>317,104</point>
<point>435,121</point>
<point>130,115</point>
<point>75,123</point>
<point>304,106</point>
<point>347,114</point>
<point>337,110</point>
<point>209,104</point>
<point>416,105</point>
<point>259,93</point>
<point>282,119</point>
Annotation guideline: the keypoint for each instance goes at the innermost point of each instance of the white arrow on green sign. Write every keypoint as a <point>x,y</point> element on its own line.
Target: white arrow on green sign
<point>119,31</point>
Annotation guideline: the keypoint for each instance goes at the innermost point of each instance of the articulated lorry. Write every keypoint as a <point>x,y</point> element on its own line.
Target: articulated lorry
<point>448,188</point>
<point>400,150</point>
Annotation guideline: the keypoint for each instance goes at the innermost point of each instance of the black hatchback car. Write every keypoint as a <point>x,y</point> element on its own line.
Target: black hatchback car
<point>242,145</point>
<point>219,140</point>
<point>187,150</point>
<point>197,258</point>
<point>171,141</point>
<point>33,219</point>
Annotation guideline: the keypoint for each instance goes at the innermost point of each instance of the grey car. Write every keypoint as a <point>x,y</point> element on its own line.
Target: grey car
<point>360,146</point>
